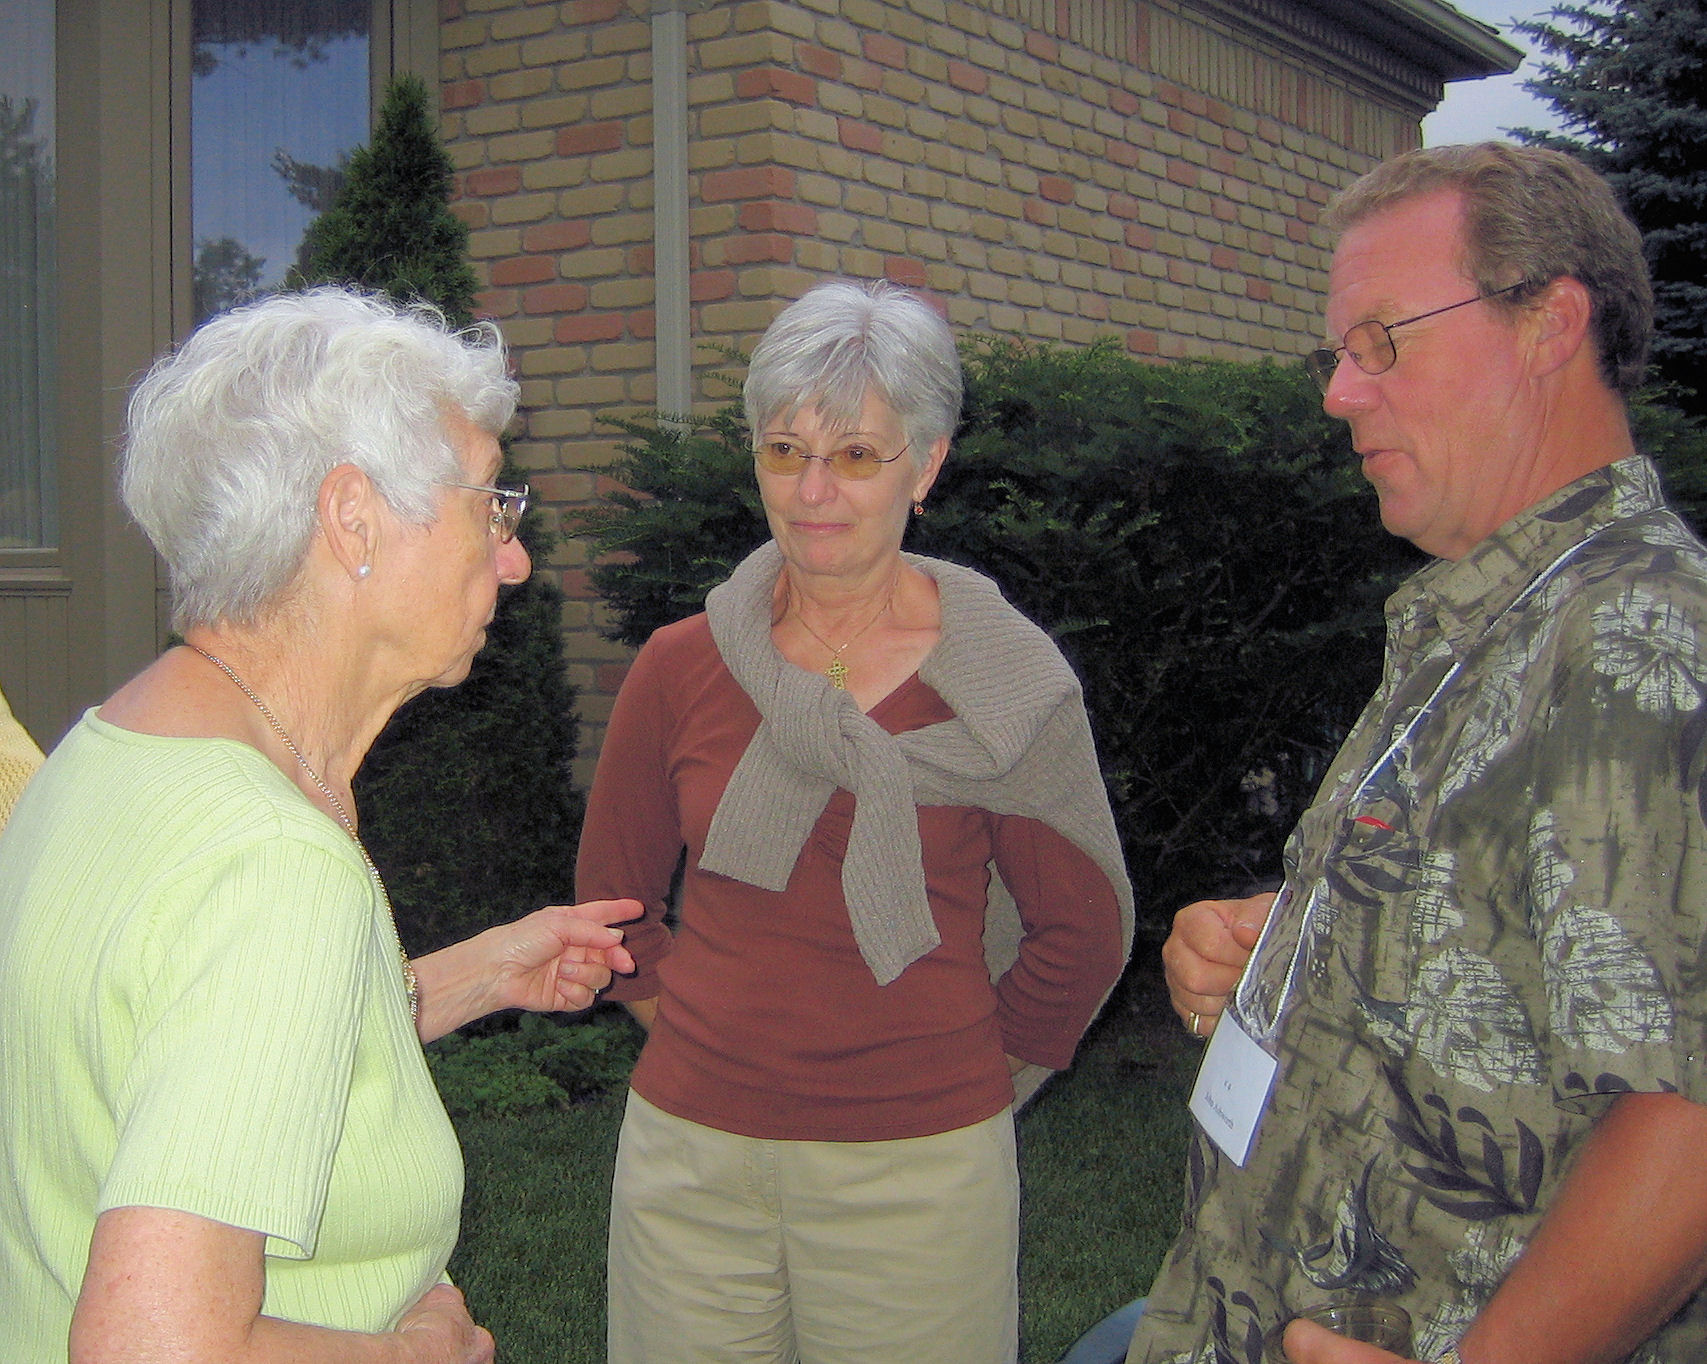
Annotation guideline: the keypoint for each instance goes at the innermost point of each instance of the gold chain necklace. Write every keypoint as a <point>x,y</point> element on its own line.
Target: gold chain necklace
<point>409,982</point>
<point>837,671</point>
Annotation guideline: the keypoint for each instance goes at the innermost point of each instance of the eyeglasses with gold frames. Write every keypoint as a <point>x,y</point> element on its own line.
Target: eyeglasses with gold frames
<point>1370,344</point>
<point>855,460</point>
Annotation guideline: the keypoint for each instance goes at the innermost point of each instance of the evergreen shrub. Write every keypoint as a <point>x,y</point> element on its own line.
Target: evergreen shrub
<point>1196,537</point>
<point>541,1063</point>
<point>1628,79</point>
<point>466,800</point>
<point>1678,442</point>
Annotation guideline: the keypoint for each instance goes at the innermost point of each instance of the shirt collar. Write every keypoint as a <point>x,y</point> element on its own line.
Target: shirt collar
<point>1464,595</point>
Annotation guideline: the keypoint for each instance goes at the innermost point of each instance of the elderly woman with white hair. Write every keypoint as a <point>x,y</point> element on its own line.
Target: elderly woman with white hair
<point>817,1160</point>
<point>218,1135</point>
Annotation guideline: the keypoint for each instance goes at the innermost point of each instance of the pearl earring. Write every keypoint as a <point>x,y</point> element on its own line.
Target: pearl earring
<point>364,571</point>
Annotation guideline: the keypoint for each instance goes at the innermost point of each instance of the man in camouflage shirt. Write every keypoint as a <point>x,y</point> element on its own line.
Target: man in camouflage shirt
<point>1484,978</point>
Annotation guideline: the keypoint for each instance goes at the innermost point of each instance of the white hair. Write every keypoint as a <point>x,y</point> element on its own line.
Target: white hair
<point>841,340</point>
<point>230,437</point>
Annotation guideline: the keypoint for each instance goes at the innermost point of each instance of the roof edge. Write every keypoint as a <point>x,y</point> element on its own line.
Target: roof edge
<point>1431,33</point>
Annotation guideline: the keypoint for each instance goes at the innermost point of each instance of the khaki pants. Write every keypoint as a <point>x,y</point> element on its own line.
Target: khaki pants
<point>726,1248</point>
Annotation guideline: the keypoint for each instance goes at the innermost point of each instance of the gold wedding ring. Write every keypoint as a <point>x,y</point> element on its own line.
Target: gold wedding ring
<point>1192,1022</point>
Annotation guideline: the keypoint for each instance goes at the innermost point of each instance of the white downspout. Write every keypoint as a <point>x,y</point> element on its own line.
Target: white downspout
<point>673,344</point>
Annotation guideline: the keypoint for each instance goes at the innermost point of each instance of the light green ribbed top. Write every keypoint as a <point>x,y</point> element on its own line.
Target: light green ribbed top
<point>201,1008</point>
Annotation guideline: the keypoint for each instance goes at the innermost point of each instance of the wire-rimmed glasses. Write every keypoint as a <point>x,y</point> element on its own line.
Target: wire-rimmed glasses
<point>854,460</point>
<point>1370,344</point>
<point>508,504</point>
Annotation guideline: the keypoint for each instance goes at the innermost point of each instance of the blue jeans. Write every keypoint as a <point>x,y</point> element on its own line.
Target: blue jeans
<point>1106,1342</point>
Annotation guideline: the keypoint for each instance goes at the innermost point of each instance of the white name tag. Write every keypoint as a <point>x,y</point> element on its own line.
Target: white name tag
<point>1232,1089</point>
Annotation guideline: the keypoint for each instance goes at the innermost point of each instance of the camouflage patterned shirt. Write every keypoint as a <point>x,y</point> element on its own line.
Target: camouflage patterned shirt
<point>1504,882</point>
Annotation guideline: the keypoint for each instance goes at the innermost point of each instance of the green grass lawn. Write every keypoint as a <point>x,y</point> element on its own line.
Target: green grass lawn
<point>1101,1162</point>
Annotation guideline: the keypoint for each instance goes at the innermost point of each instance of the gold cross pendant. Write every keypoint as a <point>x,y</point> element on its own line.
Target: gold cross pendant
<point>837,672</point>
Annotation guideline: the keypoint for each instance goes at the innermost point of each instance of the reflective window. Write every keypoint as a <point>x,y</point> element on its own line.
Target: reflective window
<point>279,98</point>
<point>29,510</point>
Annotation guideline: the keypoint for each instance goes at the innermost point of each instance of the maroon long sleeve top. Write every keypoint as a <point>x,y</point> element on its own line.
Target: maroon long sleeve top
<point>769,1022</point>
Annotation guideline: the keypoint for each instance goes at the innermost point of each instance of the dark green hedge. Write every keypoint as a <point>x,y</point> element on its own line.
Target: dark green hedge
<point>1196,536</point>
<point>1200,543</point>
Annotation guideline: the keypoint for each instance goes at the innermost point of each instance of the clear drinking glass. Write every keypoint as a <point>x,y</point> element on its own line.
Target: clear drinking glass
<point>1374,1322</point>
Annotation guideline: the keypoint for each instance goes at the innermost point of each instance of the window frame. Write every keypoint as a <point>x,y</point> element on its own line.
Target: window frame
<point>80,617</point>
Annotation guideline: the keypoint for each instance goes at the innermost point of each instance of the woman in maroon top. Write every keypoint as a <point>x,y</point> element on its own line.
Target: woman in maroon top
<point>817,1160</point>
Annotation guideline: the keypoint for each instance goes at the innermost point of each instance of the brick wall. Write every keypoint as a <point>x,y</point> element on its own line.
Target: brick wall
<point>1052,169</point>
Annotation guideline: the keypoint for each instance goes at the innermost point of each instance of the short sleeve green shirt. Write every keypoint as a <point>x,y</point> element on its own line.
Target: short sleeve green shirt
<point>1505,873</point>
<point>202,1009</point>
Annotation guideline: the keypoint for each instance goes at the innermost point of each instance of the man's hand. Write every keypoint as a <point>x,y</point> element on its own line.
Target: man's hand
<point>1208,948</point>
